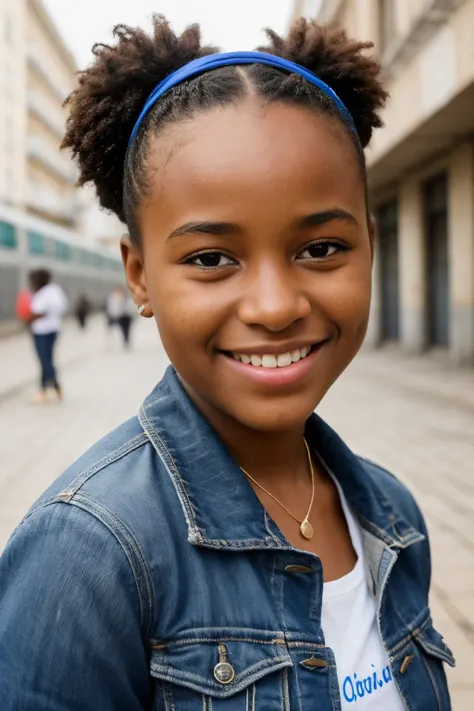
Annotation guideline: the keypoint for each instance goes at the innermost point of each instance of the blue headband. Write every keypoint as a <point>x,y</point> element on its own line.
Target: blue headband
<point>213,61</point>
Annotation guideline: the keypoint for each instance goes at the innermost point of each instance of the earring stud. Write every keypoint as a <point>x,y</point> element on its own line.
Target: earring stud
<point>140,309</point>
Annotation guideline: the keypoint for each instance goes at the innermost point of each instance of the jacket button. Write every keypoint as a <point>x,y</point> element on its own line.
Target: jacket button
<point>314,663</point>
<point>406,663</point>
<point>298,569</point>
<point>224,673</point>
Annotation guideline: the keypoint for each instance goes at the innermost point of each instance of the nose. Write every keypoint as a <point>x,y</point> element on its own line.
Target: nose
<point>274,298</point>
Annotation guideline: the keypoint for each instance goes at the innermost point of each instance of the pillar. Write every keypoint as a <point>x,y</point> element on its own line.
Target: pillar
<point>412,267</point>
<point>461,253</point>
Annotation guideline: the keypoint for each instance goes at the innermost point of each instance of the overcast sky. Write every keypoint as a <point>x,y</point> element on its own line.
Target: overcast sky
<point>228,24</point>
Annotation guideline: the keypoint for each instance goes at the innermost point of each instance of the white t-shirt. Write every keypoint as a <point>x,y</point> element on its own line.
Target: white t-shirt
<point>119,305</point>
<point>52,302</point>
<point>349,622</point>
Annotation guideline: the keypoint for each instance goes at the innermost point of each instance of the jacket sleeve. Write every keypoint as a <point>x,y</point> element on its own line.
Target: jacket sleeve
<point>70,627</point>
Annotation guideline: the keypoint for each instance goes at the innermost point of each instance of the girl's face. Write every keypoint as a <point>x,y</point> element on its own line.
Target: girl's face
<point>255,241</point>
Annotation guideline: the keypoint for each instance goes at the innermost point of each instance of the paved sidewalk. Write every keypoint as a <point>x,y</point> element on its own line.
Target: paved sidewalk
<point>17,352</point>
<point>415,416</point>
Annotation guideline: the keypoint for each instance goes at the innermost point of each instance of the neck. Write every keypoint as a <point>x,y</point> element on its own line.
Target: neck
<point>266,456</point>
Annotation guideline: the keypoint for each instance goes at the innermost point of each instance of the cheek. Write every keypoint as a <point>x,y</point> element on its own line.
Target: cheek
<point>186,311</point>
<point>345,298</point>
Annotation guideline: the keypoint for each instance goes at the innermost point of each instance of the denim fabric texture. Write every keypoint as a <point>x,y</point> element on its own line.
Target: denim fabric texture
<point>150,561</point>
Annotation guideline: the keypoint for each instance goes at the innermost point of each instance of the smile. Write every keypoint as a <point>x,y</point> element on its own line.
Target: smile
<point>275,369</point>
<point>276,360</point>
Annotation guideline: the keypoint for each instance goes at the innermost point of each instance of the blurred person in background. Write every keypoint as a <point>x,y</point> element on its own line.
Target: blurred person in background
<point>82,310</point>
<point>225,549</point>
<point>120,310</point>
<point>47,306</point>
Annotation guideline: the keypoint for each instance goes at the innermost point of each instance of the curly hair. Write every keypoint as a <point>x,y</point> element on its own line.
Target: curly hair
<point>112,91</point>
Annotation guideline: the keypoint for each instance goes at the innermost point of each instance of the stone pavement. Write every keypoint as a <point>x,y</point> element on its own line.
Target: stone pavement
<point>415,416</point>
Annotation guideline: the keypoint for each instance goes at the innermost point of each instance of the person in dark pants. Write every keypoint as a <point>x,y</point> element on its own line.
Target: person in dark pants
<point>44,344</point>
<point>82,310</point>
<point>124,323</point>
<point>48,304</point>
<point>119,312</point>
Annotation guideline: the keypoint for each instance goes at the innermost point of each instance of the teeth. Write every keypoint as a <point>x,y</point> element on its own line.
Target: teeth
<point>282,360</point>
<point>269,361</point>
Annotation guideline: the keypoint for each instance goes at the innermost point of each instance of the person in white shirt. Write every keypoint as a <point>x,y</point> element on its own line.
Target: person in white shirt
<point>119,312</point>
<point>48,304</point>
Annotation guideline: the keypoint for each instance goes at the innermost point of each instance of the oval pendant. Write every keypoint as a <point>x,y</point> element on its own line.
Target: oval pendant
<point>306,529</point>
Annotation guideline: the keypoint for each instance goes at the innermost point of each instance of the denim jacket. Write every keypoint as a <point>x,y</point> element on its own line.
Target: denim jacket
<point>149,576</point>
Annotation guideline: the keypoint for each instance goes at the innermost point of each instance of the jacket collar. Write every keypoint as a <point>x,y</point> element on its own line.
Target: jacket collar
<point>220,506</point>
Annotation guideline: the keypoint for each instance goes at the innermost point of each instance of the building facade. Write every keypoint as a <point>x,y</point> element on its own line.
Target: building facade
<point>37,74</point>
<point>420,169</point>
<point>12,102</point>
<point>50,174</point>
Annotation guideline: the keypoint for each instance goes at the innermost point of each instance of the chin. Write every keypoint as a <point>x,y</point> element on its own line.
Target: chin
<point>271,417</point>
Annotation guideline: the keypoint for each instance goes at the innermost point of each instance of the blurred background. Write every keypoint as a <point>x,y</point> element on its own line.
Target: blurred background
<point>408,399</point>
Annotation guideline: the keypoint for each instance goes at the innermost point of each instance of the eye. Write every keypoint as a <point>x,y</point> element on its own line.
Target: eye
<point>210,260</point>
<point>321,250</point>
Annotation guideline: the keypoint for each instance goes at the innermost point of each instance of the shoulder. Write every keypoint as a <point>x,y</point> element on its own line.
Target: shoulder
<point>39,296</point>
<point>395,491</point>
<point>100,508</point>
<point>102,462</point>
<point>122,482</point>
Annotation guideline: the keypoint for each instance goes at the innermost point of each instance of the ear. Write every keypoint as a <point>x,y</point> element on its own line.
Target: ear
<point>372,236</point>
<point>135,274</point>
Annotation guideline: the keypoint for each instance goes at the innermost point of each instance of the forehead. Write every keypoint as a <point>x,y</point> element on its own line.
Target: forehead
<point>253,157</point>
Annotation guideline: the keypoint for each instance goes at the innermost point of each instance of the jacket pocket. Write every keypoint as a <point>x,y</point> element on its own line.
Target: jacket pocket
<point>434,645</point>
<point>419,668</point>
<point>221,673</point>
<point>434,652</point>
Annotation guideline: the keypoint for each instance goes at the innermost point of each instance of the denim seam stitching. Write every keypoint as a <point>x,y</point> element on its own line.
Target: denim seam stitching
<point>164,454</point>
<point>267,526</point>
<point>133,444</point>
<point>411,636</point>
<point>433,681</point>
<point>412,532</point>
<point>210,640</point>
<point>382,533</point>
<point>132,552</point>
<point>247,675</point>
<point>285,690</point>
<point>291,644</point>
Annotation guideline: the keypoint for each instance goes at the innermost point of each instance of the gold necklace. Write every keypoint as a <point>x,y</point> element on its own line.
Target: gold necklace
<point>306,528</point>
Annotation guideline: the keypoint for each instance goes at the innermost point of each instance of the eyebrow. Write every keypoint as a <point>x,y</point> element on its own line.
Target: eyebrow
<point>205,228</point>
<point>228,228</point>
<point>321,218</point>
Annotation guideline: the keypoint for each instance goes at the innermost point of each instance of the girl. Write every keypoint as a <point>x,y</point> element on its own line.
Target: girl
<point>224,549</point>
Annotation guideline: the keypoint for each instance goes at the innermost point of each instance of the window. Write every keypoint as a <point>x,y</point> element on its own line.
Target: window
<point>36,243</point>
<point>62,251</point>
<point>436,206</point>
<point>7,236</point>
<point>387,219</point>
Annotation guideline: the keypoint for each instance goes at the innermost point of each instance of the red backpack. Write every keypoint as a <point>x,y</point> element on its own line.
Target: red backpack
<point>23,305</point>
